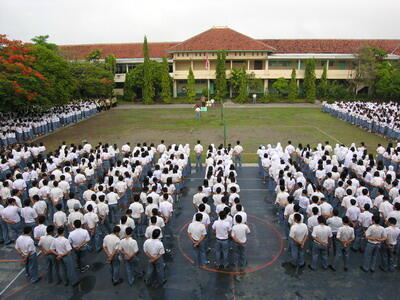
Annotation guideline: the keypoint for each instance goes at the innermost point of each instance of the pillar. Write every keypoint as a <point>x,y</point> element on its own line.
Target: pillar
<point>265,86</point>
<point>174,89</point>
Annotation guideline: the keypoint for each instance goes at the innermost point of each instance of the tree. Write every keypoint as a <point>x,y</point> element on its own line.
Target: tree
<point>42,41</point>
<point>148,88</point>
<point>166,81</point>
<point>110,63</point>
<point>239,82</point>
<point>134,80</point>
<point>191,92</point>
<point>309,80</point>
<point>94,56</point>
<point>293,88</point>
<point>220,76</point>
<point>281,87</point>
<point>57,72</point>
<point>92,80</point>
<point>368,60</point>
<point>323,83</point>
<point>21,85</point>
<point>388,80</point>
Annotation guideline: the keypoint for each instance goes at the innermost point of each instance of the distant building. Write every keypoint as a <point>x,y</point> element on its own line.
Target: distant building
<point>268,59</point>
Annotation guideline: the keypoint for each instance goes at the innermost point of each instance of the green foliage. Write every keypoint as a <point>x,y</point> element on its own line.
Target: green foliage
<point>293,88</point>
<point>191,92</point>
<point>92,80</point>
<point>309,80</point>
<point>166,81</point>
<point>134,80</point>
<point>220,77</point>
<point>148,87</point>
<point>239,81</point>
<point>368,60</point>
<point>204,92</point>
<point>388,80</point>
<point>110,63</point>
<point>41,40</point>
<point>323,84</point>
<point>93,56</point>
<point>57,72</point>
<point>281,87</point>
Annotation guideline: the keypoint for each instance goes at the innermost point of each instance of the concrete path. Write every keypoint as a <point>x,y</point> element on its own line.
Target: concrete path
<point>226,105</point>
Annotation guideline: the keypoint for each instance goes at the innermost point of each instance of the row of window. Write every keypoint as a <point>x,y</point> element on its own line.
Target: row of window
<point>258,65</point>
<point>204,54</point>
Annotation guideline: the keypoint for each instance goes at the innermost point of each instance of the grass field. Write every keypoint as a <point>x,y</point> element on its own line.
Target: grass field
<point>252,126</point>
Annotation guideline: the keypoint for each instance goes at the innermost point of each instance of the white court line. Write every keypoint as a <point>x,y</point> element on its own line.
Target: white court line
<point>327,134</point>
<point>11,282</point>
<point>15,278</point>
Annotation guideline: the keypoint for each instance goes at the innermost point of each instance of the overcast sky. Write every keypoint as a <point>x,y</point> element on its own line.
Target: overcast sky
<point>105,21</point>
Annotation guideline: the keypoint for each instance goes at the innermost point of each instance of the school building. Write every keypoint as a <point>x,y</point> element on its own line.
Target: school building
<point>267,59</point>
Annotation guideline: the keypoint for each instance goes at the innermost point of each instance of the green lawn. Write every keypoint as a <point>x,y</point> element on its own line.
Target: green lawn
<point>252,126</point>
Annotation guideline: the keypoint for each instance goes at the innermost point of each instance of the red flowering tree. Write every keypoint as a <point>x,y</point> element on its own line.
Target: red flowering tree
<point>20,83</point>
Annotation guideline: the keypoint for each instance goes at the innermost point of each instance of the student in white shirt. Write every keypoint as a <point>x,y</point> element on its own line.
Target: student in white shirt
<point>130,250</point>
<point>321,235</point>
<point>112,247</point>
<point>154,249</point>
<point>298,236</point>
<point>26,248</point>
<point>62,249</point>
<point>198,150</point>
<point>344,237</point>
<point>197,233</point>
<point>221,229</point>
<point>375,235</point>
<point>44,245</point>
<point>388,249</point>
<point>79,239</point>
<point>239,235</point>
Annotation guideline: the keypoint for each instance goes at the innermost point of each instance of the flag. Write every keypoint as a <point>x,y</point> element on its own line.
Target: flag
<point>207,63</point>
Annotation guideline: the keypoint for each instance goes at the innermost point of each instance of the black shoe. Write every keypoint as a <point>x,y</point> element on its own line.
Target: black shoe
<point>118,282</point>
<point>84,269</point>
<point>311,268</point>
<point>36,281</point>
<point>363,270</point>
<point>382,269</point>
<point>346,269</point>
<point>76,283</point>
<point>332,268</point>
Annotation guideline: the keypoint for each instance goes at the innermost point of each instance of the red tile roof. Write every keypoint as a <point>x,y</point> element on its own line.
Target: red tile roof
<point>330,45</point>
<point>220,38</point>
<point>131,50</point>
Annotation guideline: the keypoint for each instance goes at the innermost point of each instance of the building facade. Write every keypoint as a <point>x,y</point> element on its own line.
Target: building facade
<point>267,59</point>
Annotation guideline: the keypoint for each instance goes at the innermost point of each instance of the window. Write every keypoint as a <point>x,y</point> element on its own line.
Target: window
<point>280,63</point>
<point>130,67</point>
<point>120,69</point>
<point>258,65</point>
<point>119,85</point>
<point>341,65</point>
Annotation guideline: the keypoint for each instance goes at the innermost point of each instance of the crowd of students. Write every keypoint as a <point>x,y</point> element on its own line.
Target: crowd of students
<point>378,117</point>
<point>333,200</point>
<point>20,127</point>
<point>225,216</point>
<point>84,198</point>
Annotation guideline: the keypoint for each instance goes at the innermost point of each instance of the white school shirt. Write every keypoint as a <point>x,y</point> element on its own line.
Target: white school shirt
<point>197,229</point>
<point>137,209</point>
<point>60,218</point>
<point>322,232</point>
<point>240,231</point>
<point>149,231</point>
<point>25,244</point>
<point>129,245</point>
<point>91,219</point>
<point>61,245</point>
<point>11,213</point>
<point>28,214</point>
<point>345,233</point>
<point>153,247</point>
<point>166,208</point>
<point>375,231</point>
<point>298,231</point>
<point>334,223</point>
<point>40,207</point>
<point>39,231</point>
<point>46,241</point>
<point>78,236</point>
<point>392,233</point>
<point>222,229</point>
